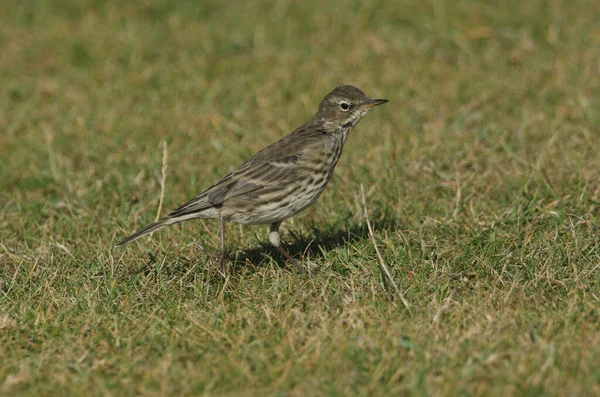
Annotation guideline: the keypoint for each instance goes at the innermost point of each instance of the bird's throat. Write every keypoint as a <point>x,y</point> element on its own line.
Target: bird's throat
<point>345,130</point>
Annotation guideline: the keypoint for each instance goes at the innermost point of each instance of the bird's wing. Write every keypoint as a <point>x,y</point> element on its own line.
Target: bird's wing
<point>269,167</point>
<point>290,145</point>
<point>250,178</point>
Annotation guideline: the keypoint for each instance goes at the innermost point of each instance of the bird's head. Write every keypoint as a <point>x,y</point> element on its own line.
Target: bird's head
<point>345,106</point>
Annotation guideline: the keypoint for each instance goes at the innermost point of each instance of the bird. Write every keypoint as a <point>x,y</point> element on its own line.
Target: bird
<point>280,180</point>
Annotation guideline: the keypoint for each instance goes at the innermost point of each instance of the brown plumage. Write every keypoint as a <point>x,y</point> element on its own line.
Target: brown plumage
<point>281,180</point>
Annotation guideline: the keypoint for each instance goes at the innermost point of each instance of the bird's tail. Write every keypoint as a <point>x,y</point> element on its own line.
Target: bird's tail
<point>164,222</point>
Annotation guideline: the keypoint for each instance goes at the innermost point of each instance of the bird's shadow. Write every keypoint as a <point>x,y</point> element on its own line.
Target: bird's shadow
<point>313,243</point>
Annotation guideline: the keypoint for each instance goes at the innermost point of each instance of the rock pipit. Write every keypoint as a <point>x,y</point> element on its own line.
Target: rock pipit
<point>281,180</point>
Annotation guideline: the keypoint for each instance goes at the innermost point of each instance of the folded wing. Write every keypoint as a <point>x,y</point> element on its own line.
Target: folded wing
<point>251,178</point>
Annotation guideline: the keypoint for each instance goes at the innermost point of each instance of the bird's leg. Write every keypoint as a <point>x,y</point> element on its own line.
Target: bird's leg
<point>223,253</point>
<point>275,240</point>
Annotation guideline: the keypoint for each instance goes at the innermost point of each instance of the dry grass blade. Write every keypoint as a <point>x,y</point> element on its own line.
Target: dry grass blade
<point>163,179</point>
<point>382,264</point>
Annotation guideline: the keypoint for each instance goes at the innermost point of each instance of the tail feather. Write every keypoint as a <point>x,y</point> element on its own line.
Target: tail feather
<point>164,222</point>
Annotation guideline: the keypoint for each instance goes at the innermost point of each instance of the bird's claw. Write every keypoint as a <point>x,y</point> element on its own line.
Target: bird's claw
<point>290,260</point>
<point>221,257</point>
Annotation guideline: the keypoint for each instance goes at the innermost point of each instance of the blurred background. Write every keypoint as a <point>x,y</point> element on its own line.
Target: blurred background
<point>479,91</point>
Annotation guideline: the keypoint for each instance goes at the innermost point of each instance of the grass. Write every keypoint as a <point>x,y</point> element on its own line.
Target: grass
<point>482,181</point>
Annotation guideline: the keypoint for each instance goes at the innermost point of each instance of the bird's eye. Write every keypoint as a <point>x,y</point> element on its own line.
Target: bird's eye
<point>344,106</point>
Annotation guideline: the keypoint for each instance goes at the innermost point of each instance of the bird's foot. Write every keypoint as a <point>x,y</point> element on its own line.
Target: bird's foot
<point>291,260</point>
<point>223,264</point>
<point>221,257</point>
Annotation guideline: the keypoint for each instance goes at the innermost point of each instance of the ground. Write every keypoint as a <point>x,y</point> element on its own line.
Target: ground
<point>481,179</point>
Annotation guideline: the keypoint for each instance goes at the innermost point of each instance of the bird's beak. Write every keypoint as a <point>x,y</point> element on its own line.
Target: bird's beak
<point>369,103</point>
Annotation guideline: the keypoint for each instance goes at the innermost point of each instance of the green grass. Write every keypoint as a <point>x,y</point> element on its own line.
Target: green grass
<point>482,176</point>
